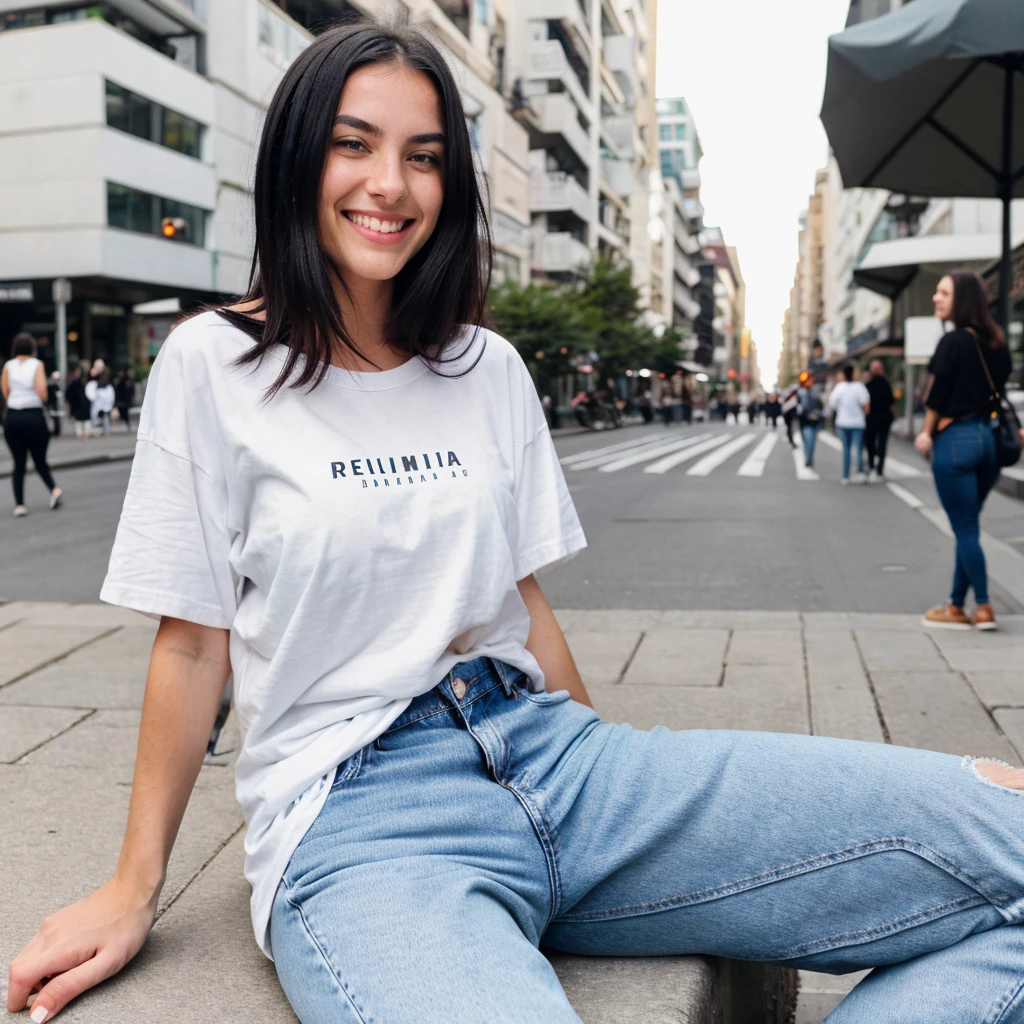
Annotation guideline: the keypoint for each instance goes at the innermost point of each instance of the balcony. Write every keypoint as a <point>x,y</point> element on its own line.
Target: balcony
<point>619,175</point>
<point>556,191</point>
<point>620,56</point>
<point>556,115</point>
<point>622,132</point>
<point>559,253</point>
<point>548,62</point>
<point>568,12</point>
<point>690,179</point>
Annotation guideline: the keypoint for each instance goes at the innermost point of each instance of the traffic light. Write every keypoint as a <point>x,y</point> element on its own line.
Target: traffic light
<point>174,227</point>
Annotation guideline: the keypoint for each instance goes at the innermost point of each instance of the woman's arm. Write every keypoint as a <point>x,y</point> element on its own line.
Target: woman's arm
<point>547,644</point>
<point>923,441</point>
<point>87,942</point>
<point>5,383</point>
<point>40,383</point>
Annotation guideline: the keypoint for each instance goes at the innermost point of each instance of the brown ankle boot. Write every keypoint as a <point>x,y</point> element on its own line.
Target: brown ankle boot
<point>947,616</point>
<point>984,617</point>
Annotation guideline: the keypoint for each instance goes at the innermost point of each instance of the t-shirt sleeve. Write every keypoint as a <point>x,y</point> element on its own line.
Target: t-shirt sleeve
<point>549,529</point>
<point>171,551</point>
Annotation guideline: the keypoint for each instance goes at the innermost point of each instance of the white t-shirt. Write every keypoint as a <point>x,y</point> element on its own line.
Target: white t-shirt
<point>358,541</point>
<point>848,399</point>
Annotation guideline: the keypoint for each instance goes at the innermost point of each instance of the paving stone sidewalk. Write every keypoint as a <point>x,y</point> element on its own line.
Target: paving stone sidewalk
<point>71,686</point>
<point>67,452</point>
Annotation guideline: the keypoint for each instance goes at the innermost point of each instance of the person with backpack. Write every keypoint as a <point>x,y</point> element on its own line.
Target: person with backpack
<point>970,369</point>
<point>811,412</point>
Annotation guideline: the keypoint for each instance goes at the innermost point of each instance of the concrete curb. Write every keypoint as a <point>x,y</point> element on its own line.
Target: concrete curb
<point>75,461</point>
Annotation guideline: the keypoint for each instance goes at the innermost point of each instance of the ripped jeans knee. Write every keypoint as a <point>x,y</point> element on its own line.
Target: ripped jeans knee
<point>997,773</point>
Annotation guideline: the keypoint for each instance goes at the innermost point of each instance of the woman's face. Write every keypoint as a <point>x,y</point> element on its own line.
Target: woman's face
<point>383,181</point>
<point>943,298</point>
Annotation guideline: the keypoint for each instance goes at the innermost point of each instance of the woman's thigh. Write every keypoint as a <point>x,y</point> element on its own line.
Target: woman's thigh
<point>826,853</point>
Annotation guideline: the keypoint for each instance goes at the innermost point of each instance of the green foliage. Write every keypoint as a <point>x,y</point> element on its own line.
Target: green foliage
<point>604,315</point>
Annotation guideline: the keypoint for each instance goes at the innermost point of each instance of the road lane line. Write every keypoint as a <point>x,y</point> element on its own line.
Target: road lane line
<point>643,454</point>
<point>715,459</point>
<point>757,459</point>
<point>635,458</point>
<point>803,472</point>
<point>671,461</point>
<point>893,467</point>
<point>904,495</point>
<point>591,453</point>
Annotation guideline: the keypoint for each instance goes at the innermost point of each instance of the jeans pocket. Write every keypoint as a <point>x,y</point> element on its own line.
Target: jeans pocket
<point>349,769</point>
<point>965,452</point>
<point>547,696</point>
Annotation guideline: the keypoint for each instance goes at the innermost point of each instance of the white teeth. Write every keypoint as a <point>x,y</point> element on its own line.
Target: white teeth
<point>375,224</point>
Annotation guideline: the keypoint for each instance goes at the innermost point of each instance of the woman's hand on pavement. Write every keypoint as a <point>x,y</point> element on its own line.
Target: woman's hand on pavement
<point>78,947</point>
<point>923,443</point>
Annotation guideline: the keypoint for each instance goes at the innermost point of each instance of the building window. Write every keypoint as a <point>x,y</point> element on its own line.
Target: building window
<point>134,210</point>
<point>277,38</point>
<point>129,112</point>
<point>680,131</point>
<point>664,132</point>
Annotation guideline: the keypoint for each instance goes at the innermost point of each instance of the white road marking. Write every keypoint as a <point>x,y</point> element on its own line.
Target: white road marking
<point>756,460</point>
<point>635,458</point>
<point>715,459</point>
<point>904,495</point>
<point>893,467</point>
<point>803,472</point>
<point>591,453</point>
<point>671,461</point>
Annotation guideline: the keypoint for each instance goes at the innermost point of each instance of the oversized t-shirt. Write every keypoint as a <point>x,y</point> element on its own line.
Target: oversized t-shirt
<point>358,541</point>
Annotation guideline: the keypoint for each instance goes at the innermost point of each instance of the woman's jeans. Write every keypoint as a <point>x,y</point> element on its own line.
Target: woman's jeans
<point>965,468</point>
<point>489,823</point>
<point>809,435</point>
<point>852,438</point>
<point>25,431</point>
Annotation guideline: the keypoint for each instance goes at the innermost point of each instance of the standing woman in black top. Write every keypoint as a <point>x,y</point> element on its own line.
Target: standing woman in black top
<point>970,365</point>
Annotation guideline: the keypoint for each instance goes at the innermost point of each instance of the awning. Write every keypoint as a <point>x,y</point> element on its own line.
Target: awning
<point>888,267</point>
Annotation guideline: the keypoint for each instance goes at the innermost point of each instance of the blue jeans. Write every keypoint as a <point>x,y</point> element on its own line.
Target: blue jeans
<point>489,823</point>
<point>965,468</point>
<point>809,434</point>
<point>852,438</point>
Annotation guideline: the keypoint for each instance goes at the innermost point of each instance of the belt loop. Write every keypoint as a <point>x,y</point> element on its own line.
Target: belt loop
<point>498,668</point>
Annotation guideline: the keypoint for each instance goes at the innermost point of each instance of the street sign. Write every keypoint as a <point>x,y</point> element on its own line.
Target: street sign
<point>17,291</point>
<point>61,290</point>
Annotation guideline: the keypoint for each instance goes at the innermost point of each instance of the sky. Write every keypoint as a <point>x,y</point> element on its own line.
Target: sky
<point>753,73</point>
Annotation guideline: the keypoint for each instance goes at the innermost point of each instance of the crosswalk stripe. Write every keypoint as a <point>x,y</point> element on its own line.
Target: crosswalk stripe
<point>715,459</point>
<point>755,462</point>
<point>893,467</point>
<point>671,461</point>
<point>803,472</point>
<point>639,454</point>
<point>590,453</point>
<point>635,458</point>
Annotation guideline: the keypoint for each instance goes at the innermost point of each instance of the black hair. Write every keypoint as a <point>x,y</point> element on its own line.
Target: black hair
<point>848,371</point>
<point>971,308</point>
<point>442,287</point>
<point>23,344</point>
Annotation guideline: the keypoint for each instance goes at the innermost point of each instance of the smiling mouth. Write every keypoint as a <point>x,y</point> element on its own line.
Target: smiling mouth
<point>378,225</point>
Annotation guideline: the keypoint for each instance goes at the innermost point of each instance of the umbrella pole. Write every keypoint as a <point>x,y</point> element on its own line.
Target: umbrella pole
<point>1006,189</point>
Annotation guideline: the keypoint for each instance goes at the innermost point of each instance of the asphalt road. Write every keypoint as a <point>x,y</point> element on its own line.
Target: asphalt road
<point>657,540</point>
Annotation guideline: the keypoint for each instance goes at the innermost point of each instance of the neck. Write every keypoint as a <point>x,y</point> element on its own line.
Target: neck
<point>365,308</point>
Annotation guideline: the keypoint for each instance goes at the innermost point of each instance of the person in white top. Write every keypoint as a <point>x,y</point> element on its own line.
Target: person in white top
<point>341,493</point>
<point>850,402</point>
<point>23,385</point>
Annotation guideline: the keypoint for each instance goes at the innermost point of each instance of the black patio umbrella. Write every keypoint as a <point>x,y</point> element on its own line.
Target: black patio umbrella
<point>929,100</point>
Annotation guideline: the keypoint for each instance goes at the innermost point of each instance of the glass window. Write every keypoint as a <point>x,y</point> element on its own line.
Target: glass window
<point>680,131</point>
<point>664,132</point>
<point>129,112</point>
<point>134,210</point>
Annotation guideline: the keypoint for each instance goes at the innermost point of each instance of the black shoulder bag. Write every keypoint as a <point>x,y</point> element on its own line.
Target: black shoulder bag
<point>1007,427</point>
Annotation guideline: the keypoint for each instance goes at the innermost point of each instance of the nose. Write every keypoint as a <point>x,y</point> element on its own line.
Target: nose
<point>386,181</point>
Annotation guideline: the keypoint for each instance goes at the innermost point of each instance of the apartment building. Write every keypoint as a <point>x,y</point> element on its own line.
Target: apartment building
<point>581,81</point>
<point>127,137</point>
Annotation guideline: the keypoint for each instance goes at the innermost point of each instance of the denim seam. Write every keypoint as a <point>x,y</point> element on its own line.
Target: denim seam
<point>1005,1004</point>
<point>440,711</point>
<point>777,874</point>
<point>327,963</point>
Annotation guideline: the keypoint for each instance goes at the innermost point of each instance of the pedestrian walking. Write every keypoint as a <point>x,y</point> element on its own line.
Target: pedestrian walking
<point>773,410</point>
<point>430,798</point>
<point>54,403</point>
<point>23,385</point>
<point>124,396</point>
<point>790,414</point>
<point>103,399</point>
<point>78,402</point>
<point>811,412</point>
<point>970,369</point>
<point>879,419</point>
<point>849,402</point>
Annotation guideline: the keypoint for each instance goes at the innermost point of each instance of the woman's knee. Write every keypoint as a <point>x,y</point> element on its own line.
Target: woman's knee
<point>1000,773</point>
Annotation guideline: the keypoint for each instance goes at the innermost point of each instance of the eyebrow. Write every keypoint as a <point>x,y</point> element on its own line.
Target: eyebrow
<point>371,129</point>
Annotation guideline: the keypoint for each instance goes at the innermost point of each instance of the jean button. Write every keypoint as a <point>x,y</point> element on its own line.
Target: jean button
<point>459,689</point>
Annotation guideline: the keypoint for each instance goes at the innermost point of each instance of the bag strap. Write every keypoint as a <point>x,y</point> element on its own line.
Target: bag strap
<point>993,396</point>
